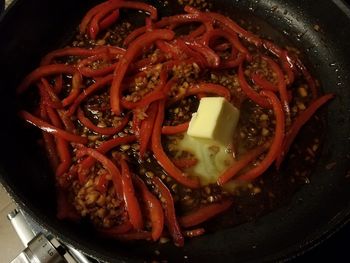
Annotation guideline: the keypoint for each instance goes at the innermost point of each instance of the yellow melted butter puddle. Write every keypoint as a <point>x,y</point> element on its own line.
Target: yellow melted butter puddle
<point>213,158</point>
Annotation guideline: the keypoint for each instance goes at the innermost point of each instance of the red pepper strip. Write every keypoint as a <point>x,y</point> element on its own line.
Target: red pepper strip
<point>183,48</point>
<point>61,144</point>
<point>102,183</point>
<point>194,232</point>
<point>58,86</point>
<point>263,83</point>
<point>65,208</point>
<point>230,36</point>
<point>104,131</point>
<point>44,71</point>
<point>130,199</point>
<point>299,122</point>
<point>50,97</point>
<point>136,121</point>
<point>154,208</point>
<point>147,62</point>
<point>80,52</point>
<point>51,129</point>
<point>185,163</point>
<point>222,47</point>
<point>146,128</point>
<point>276,145</point>
<point>49,142</point>
<point>163,159</point>
<point>197,32</point>
<point>99,84</point>
<point>309,79</point>
<point>89,15</point>
<point>117,4</point>
<point>204,213</point>
<point>135,47</point>
<point>108,165</point>
<point>250,37</point>
<point>232,63</point>
<point>46,100</point>
<point>212,59</point>
<point>169,211</point>
<point>154,95</point>
<point>252,94</point>
<point>168,49</point>
<point>145,101</point>
<point>109,20</point>
<point>100,72</point>
<point>75,90</point>
<point>182,19</point>
<point>105,147</point>
<point>286,60</point>
<point>281,84</point>
<point>68,124</point>
<point>170,130</point>
<point>243,162</point>
<point>134,34</point>
<point>116,230</point>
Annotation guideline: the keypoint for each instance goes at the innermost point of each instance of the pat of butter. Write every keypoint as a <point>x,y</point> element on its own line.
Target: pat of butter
<point>216,119</point>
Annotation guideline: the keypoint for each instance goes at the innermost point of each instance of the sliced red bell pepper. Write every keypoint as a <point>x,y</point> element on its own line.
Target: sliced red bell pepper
<point>276,145</point>
<point>204,213</point>
<point>130,199</point>
<point>163,159</point>
<point>169,211</point>
<point>154,208</point>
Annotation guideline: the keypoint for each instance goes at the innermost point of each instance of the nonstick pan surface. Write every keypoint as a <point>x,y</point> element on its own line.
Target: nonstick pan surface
<point>32,28</point>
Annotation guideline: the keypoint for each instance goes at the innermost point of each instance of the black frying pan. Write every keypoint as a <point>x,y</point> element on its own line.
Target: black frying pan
<point>31,28</point>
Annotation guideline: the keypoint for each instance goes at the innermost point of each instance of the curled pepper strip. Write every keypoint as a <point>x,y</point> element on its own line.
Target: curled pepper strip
<point>204,213</point>
<point>169,211</point>
<point>146,128</point>
<point>49,141</point>
<point>170,130</point>
<point>154,208</point>
<point>99,84</point>
<point>263,83</point>
<point>44,71</point>
<point>101,130</point>
<point>299,122</point>
<point>86,71</point>
<point>243,162</point>
<point>161,156</point>
<point>281,84</point>
<point>135,47</point>
<point>79,52</point>
<point>111,6</point>
<point>61,144</point>
<point>89,15</point>
<point>105,147</point>
<point>229,23</point>
<point>46,127</point>
<point>108,165</point>
<point>131,203</point>
<point>249,91</point>
<point>276,145</point>
<point>49,96</point>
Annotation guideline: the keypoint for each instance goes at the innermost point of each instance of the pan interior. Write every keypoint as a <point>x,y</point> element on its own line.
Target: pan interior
<point>32,28</point>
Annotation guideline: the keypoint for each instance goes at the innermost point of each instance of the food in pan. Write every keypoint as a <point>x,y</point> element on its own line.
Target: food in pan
<point>155,131</point>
